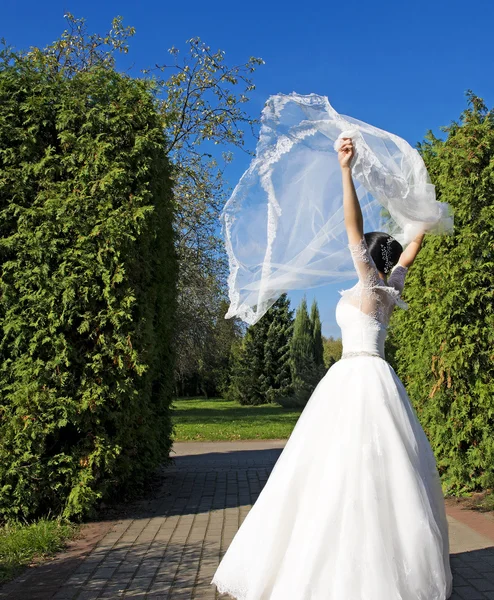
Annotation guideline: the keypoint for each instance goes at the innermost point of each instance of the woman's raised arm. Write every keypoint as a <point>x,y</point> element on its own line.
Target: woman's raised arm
<point>409,254</point>
<point>354,222</point>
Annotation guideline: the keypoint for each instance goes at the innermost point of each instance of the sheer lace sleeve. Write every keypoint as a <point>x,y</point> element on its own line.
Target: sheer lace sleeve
<point>397,277</point>
<point>364,265</point>
<point>372,295</point>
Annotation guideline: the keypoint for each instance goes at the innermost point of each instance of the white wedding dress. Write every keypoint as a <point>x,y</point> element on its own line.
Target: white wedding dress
<point>353,509</point>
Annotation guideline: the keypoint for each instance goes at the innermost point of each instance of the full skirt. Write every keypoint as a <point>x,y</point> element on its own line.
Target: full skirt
<point>353,509</point>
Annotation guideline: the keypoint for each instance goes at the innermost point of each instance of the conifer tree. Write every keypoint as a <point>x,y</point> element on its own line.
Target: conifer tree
<point>277,376</point>
<point>261,370</point>
<point>302,355</point>
<point>318,348</point>
<point>246,383</point>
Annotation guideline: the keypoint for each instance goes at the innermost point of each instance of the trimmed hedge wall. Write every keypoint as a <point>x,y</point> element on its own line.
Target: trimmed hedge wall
<point>444,346</point>
<point>88,287</point>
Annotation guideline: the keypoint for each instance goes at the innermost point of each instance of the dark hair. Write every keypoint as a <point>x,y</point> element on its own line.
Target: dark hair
<point>384,249</point>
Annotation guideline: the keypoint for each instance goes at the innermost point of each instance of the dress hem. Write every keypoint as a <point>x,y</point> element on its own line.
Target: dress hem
<point>222,589</point>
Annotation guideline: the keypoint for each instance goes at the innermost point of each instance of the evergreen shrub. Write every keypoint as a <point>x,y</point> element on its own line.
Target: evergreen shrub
<point>443,347</point>
<point>88,273</point>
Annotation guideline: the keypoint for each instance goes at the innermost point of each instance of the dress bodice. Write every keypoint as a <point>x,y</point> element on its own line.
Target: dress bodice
<point>363,311</point>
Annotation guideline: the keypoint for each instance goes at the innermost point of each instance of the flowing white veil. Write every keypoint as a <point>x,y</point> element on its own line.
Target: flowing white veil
<point>283,224</point>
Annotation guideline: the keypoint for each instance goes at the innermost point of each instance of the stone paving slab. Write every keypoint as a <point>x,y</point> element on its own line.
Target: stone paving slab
<point>170,550</point>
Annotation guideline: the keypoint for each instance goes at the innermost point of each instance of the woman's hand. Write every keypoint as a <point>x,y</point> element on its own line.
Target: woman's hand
<point>346,153</point>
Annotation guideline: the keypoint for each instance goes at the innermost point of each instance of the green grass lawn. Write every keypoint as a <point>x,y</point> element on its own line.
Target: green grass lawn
<point>20,544</point>
<point>198,419</point>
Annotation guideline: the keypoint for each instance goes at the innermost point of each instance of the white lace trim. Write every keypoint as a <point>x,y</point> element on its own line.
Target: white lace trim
<point>432,594</point>
<point>236,593</point>
<point>392,292</point>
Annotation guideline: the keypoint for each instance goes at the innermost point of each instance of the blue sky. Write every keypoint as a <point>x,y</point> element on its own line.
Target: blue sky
<point>403,66</point>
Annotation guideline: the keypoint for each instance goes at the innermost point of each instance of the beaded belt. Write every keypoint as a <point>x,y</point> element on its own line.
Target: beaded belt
<point>362,353</point>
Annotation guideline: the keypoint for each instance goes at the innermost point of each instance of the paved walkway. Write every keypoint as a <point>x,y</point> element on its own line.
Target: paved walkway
<point>170,546</point>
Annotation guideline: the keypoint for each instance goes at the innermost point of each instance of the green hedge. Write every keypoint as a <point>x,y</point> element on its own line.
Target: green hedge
<point>444,345</point>
<point>88,275</point>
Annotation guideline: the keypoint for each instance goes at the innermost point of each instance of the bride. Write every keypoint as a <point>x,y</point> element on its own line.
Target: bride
<point>353,509</point>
